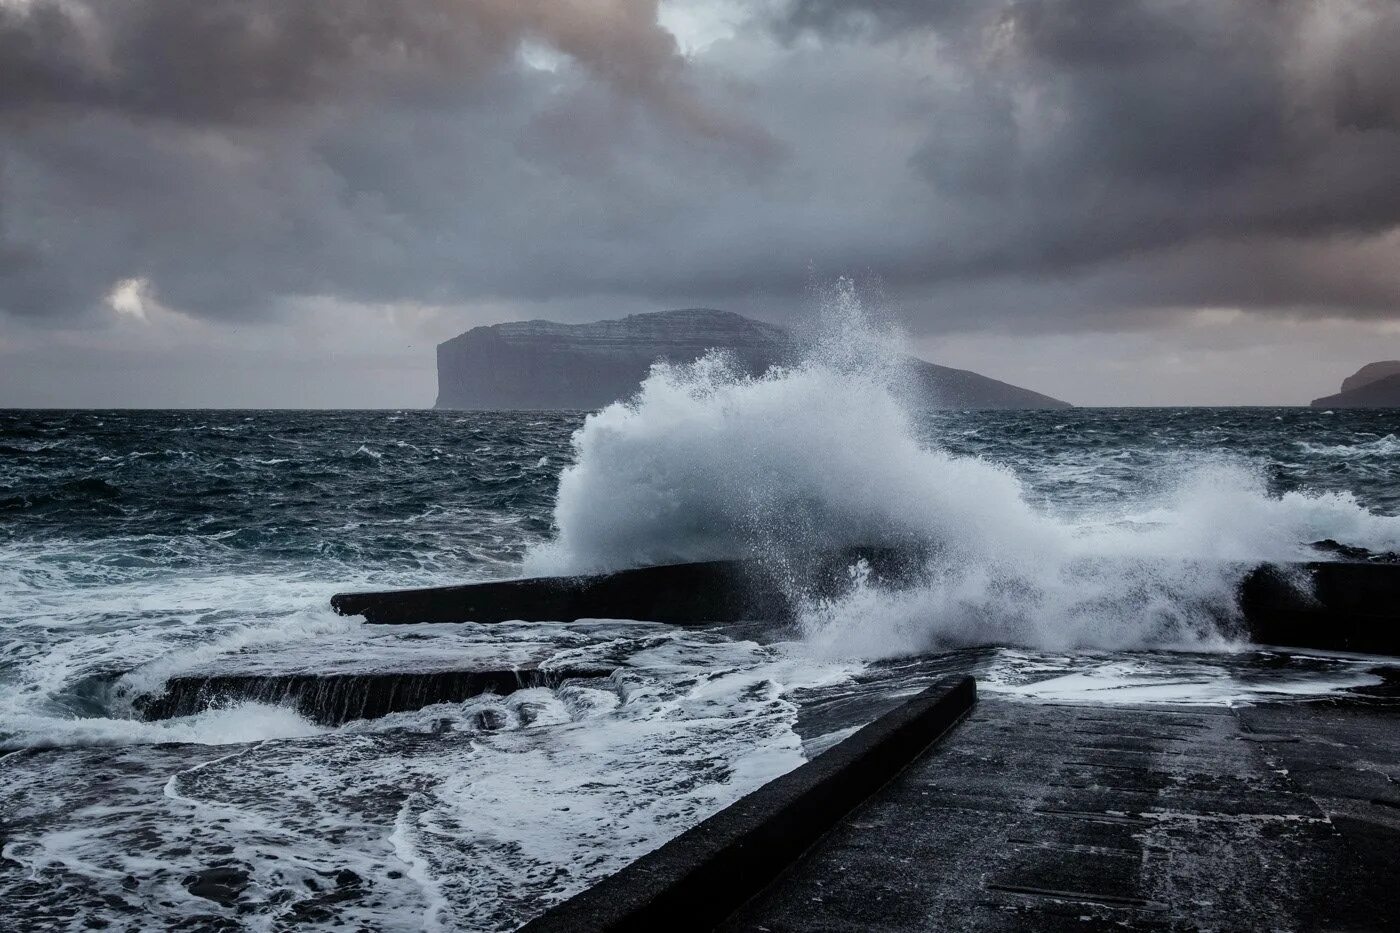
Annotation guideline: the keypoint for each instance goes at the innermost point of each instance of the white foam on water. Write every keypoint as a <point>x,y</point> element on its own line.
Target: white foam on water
<point>700,721</point>
<point>1387,446</point>
<point>78,655</point>
<point>447,825</point>
<point>474,815</point>
<point>1183,680</point>
<point>84,636</point>
<point>706,462</point>
<point>225,725</point>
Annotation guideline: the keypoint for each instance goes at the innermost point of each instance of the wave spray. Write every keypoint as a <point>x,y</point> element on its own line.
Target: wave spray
<point>708,462</point>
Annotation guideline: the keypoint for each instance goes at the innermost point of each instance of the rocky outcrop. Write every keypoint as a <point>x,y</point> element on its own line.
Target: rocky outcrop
<point>1379,393</point>
<point>542,364</point>
<point>944,387</point>
<point>1369,373</point>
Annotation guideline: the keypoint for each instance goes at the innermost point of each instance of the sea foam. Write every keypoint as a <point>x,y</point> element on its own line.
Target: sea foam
<point>707,462</point>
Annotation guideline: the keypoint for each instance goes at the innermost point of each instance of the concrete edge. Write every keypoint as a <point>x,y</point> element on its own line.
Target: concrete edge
<point>1331,605</point>
<point>1327,605</point>
<point>678,594</point>
<point>702,876</point>
<point>336,698</point>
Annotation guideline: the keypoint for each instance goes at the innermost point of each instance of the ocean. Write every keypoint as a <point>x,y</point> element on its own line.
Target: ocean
<point>1084,554</point>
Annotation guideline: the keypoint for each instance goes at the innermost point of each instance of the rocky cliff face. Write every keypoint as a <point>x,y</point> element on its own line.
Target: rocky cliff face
<point>1371,372</point>
<point>541,364</point>
<point>1378,393</point>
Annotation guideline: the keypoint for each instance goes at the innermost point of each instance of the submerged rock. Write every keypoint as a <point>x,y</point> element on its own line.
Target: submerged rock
<point>221,884</point>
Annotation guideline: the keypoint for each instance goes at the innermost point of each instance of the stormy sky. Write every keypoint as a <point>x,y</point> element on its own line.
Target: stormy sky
<point>288,203</point>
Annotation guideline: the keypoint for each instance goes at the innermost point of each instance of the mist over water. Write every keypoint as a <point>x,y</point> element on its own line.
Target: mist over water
<point>707,462</point>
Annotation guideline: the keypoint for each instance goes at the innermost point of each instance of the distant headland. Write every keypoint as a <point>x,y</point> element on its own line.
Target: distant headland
<point>543,364</point>
<point>1375,385</point>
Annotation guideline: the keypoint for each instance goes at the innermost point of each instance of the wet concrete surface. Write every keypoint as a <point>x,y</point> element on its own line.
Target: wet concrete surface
<point>709,871</point>
<point>333,699</point>
<point>1049,817</point>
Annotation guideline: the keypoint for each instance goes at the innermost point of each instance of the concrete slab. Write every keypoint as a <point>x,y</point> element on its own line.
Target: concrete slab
<point>703,875</point>
<point>1038,817</point>
<point>332,699</point>
<point>1330,605</point>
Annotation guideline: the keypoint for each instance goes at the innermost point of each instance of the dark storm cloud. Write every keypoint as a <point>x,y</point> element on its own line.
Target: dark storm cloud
<point>218,60</point>
<point>1096,131</point>
<point>1157,124</point>
<point>238,60</point>
<point>1029,163</point>
<point>237,151</point>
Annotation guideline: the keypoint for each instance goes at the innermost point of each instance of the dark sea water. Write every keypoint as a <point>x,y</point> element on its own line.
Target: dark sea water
<point>1095,549</point>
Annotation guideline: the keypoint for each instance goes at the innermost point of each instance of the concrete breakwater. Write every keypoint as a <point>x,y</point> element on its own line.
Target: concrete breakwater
<point>678,594</point>
<point>702,876</point>
<point>331,699</point>
<point>1329,605</point>
<point>1060,817</point>
<point>1038,816</point>
<point>945,815</point>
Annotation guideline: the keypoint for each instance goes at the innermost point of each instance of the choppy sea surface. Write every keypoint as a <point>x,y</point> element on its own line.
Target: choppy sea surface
<point>1085,554</point>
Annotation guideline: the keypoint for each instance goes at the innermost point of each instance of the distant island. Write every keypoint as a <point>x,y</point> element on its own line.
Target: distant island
<point>1375,385</point>
<point>543,364</point>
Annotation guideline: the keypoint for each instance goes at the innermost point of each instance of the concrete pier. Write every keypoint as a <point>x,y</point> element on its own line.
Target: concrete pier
<point>1026,816</point>
<point>1055,818</point>
<point>332,699</point>
<point>1042,817</point>
<point>1329,605</point>
<point>702,876</point>
<point>676,594</point>
<point>681,594</point>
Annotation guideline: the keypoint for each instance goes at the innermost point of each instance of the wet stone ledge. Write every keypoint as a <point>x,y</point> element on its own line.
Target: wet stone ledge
<point>333,699</point>
<point>675,594</point>
<point>1346,605</point>
<point>1049,818</point>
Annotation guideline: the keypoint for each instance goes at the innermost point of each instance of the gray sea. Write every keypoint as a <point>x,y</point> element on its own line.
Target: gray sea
<point>1087,554</point>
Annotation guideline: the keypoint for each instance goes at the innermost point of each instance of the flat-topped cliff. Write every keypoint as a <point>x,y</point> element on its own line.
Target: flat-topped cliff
<point>1375,385</point>
<point>543,364</point>
<point>1371,372</point>
<point>1382,393</point>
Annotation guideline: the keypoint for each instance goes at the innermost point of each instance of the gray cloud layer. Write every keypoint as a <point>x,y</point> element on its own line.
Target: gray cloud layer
<point>1025,164</point>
